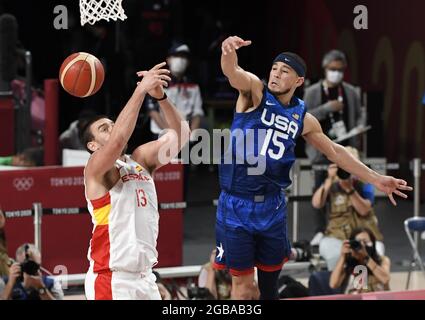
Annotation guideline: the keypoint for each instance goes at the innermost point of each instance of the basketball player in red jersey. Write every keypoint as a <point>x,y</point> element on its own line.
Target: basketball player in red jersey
<point>121,195</point>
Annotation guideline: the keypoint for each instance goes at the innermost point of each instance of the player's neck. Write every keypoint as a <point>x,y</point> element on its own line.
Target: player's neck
<point>286,98</point>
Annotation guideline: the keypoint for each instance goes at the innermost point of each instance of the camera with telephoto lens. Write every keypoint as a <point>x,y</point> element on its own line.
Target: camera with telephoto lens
<point>342,174</point>
<point>355,245</point>
<point>29,266</point>
<point>197,293</point>
<point>303,251</point>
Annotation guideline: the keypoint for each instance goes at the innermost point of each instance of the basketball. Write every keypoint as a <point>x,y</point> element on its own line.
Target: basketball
<point>81,74</point>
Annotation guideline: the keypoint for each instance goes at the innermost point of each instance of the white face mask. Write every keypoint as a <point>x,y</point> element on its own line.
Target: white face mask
<point>178,65</point>
<point>334,76</point>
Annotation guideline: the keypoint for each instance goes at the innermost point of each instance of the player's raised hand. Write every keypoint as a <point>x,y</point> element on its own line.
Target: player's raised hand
<point>390,185</point>
<point>232,44</point>
<point>154,80</point>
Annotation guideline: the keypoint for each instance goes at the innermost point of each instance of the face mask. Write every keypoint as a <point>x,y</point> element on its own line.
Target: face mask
<point>334,77</point>
<point>178,65</point>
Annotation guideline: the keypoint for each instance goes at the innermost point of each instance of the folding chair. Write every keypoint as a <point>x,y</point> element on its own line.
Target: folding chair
<point>415,225</point>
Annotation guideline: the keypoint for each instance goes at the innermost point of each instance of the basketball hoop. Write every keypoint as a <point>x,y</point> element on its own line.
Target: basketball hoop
<point>92,11</point>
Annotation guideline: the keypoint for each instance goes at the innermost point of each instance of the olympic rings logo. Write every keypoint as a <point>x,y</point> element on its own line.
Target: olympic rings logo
<point>23,184</point>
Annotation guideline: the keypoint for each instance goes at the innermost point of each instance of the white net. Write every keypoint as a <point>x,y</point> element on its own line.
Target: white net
<point>92,11</point>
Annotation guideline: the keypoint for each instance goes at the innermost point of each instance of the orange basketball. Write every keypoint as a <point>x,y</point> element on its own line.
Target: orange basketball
<point>81,74</point>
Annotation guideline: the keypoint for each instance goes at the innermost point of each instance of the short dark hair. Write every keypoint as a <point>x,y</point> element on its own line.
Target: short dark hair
<point>85,133</point>
<point>298,58</point>
<point>35,155</point>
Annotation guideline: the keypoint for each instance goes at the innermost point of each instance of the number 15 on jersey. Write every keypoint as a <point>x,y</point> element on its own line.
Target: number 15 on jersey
<point>273,136</point>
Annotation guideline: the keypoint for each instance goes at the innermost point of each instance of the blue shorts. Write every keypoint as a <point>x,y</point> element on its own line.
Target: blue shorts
<point>251,233</point>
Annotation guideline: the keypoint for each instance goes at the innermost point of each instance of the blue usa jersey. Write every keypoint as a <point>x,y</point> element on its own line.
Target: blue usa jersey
<point>262,149</point>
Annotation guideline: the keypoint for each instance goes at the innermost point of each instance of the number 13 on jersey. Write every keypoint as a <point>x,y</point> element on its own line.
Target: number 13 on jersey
<point>141,198</point>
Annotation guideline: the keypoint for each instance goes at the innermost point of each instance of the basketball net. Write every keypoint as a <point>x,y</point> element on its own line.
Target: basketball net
<point>92,11</point>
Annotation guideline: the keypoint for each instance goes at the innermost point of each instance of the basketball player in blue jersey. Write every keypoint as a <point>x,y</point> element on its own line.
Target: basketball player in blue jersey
<point>251,229</point>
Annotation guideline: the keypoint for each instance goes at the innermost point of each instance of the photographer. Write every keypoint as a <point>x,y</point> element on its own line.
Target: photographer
<point>360,249</point>
<point>337,105</point>
<point>25,281</point>
<point>4,258</point>
<point>350,206</point>
<point>163,290</point>
<point>218,282</point>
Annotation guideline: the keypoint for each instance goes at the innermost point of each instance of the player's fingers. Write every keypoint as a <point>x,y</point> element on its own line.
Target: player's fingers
<point>401,181</point>
<point>226,49</point>
<point>403,187</point>
<point>223,51</point>
<point>238,39</point>
<point>159,66</point>
<point>162,71</point>
<point>390,195</point>
<point>235,44</point>
<point>239,42</point>
<point>164,83</point>
<point>142,73</point>
<point>400,194</point>
<point>164,77</point>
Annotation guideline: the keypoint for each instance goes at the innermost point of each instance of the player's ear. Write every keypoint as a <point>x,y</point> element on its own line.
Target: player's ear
<point>92,146</point>
<point>300,81</point>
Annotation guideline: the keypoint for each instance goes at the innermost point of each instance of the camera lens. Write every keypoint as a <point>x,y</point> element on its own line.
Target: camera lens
<point>355,245</point>
<point>30,267</point>
<point>342,174</point>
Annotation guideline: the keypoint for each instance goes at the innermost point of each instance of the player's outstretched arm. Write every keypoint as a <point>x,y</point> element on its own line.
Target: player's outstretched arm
<point>103,159</point>
<point>336,153</point>
<point>155,154</point>
<point>239,79</point>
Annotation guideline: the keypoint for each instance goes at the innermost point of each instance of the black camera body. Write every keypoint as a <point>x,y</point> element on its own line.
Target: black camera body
<point>197,293</point>
<point>342,174</point>
<point>28,266</point>
<point>355,245</point>
<point>304,251</point>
